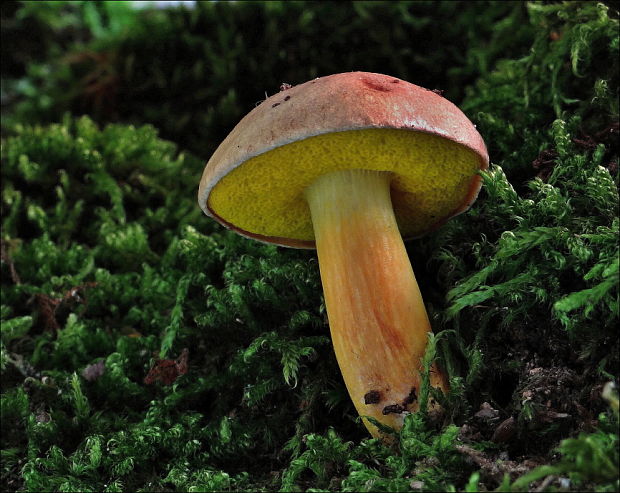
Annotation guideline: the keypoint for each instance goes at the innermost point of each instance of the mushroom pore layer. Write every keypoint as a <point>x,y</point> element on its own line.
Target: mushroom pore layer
<point>431,176</point>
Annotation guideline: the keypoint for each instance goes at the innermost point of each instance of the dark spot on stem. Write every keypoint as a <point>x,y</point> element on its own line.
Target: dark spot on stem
<point>393,408</point>
<point>372,397</point>
<point>274,105</point>
<point>411,398</point>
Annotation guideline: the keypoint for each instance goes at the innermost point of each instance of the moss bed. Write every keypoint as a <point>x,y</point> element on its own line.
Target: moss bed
<point>145,348</point>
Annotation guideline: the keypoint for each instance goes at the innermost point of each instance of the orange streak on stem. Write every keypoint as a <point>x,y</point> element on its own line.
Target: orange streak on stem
<point>376,314</point>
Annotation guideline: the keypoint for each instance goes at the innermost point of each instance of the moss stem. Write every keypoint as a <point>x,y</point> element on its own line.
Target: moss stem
<point>377,318</point>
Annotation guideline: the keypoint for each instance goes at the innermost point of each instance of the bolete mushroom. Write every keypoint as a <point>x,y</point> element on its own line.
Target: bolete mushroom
<point>348,163</point>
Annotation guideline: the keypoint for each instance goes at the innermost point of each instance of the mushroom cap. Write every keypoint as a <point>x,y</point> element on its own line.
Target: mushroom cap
<point>254,183</point>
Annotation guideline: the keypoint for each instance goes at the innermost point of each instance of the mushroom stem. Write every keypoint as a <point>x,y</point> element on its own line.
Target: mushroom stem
<point>377,318</point>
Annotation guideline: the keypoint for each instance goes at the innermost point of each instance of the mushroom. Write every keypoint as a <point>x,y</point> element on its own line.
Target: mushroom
<point>350,164</point>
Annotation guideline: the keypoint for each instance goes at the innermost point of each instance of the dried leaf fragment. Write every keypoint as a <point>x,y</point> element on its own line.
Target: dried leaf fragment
<point>167,371</point>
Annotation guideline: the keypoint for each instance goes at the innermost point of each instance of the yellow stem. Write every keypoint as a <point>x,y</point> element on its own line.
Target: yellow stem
<point>377,318</point>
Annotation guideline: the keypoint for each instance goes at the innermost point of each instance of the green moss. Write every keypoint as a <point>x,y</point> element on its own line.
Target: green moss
<point>108,265</point>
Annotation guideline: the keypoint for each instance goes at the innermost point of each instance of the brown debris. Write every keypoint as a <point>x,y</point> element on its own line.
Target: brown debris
<point>546,160</point>
<point>47,309</point>
<point>612,166</point>
<point>487,413</point>
<point>99,86</point>
<point>609,133</point>
<point>544,163</point>
<point>505,430</point>
<point>493,467</point>
<point>5,258</point>
<point>548,392</point>
<point>555,35</point>
<point>167,371</point>
<point>48,305</point>
<point>469,433</point>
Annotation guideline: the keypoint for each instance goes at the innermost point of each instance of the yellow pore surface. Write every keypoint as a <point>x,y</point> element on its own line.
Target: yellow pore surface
<point>265,194</point>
